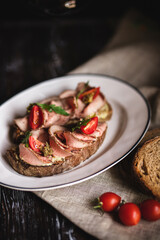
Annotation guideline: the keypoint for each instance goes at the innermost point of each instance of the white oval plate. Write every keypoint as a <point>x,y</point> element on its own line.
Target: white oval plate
<point>130,121</point>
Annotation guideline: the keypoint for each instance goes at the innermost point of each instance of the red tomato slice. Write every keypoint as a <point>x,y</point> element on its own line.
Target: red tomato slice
<point>97,92</point>
<point>35,144</point>
<point>35,117</point>
<point>93,90</point>
<point>91,126</point>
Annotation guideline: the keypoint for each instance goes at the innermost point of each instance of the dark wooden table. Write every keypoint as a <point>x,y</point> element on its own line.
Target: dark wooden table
<point>33,48</point>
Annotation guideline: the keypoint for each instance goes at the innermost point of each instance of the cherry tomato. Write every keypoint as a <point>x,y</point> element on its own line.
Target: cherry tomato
<point>96,92</point>
<point>91,126</point>
<point>150,210</point>
<point>129,214</point>
<point>109,201</point>
<point>35,117</point>
<point>35,144</point>
<point>93,90</point>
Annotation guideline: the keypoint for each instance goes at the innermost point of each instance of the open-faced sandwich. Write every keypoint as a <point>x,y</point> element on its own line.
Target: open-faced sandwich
<point>59,133</point>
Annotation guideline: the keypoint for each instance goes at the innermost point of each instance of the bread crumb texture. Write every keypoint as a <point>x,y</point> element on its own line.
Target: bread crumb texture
<point>146,165</point>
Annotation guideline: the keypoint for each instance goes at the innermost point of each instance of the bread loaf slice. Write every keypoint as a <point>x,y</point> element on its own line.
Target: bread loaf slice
<point>146,165</point>
<point>59,166</point>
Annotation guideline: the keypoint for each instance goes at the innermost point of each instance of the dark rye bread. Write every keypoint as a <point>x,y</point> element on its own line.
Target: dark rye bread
<point>146,164</point>
<point>58,167</point>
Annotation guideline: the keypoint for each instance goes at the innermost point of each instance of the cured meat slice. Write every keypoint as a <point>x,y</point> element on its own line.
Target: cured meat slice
<point>96,104</point>
<point>67,93</point>
<point>55,128</point>
<point>58,151</point>
<point>22,123</point>
<point>100,130</point>
<point>78,110</point>
<point>31,157</point>
<point>73,142</point>
<point>80,87</point>
<point>83,137</point>
<point>40,134</point>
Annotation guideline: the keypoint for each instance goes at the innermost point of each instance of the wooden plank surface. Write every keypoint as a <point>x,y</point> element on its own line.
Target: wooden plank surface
<point>32,52</point>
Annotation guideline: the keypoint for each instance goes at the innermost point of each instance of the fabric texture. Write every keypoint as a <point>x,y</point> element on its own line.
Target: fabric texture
<point>133,55</point>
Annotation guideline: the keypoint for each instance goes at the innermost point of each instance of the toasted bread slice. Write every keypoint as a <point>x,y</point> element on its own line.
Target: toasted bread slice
<point>146,165</point>
<point>63,150</point>
<point>58,166</point>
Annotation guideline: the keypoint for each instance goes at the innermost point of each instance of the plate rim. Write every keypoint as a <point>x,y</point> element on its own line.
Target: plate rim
<point>71,183</point>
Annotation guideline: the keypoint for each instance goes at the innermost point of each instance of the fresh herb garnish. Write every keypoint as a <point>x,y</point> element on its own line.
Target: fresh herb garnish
<point>82,90</point>
<point>49,108</point>
<point>52,107</point>
<point>83,122</point>
<point>25,139</point>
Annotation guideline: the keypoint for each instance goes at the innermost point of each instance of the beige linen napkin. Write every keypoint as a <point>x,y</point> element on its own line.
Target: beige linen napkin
<point>134,56</point>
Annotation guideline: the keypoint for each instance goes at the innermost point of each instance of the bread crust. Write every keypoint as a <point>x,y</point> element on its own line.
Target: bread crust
<point>58,167</point>
<point>146,165</point>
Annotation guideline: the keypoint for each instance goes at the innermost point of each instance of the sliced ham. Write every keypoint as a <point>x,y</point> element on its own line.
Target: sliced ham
<point>40,134</point>
<point>80,86</point>
<point>51,118</point>
<point>58,151</point>
<point>80,107</point>
<point>33,158</point>
<point>91,137</point>
<point>96,104</point>
<point>67,93</point>
<point>56,102</point>
<point>22,123</point>
<point>102,127</point>
<point>48,100</point>
<point>73,105</point>
<point>55,128</point>
<point>60,139</point>
<point>60,143</point>
<point>83,137</point>
<point>62,119</point>
<point>100,130</point>
<point>63,103</point>
<point>73,142</point>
